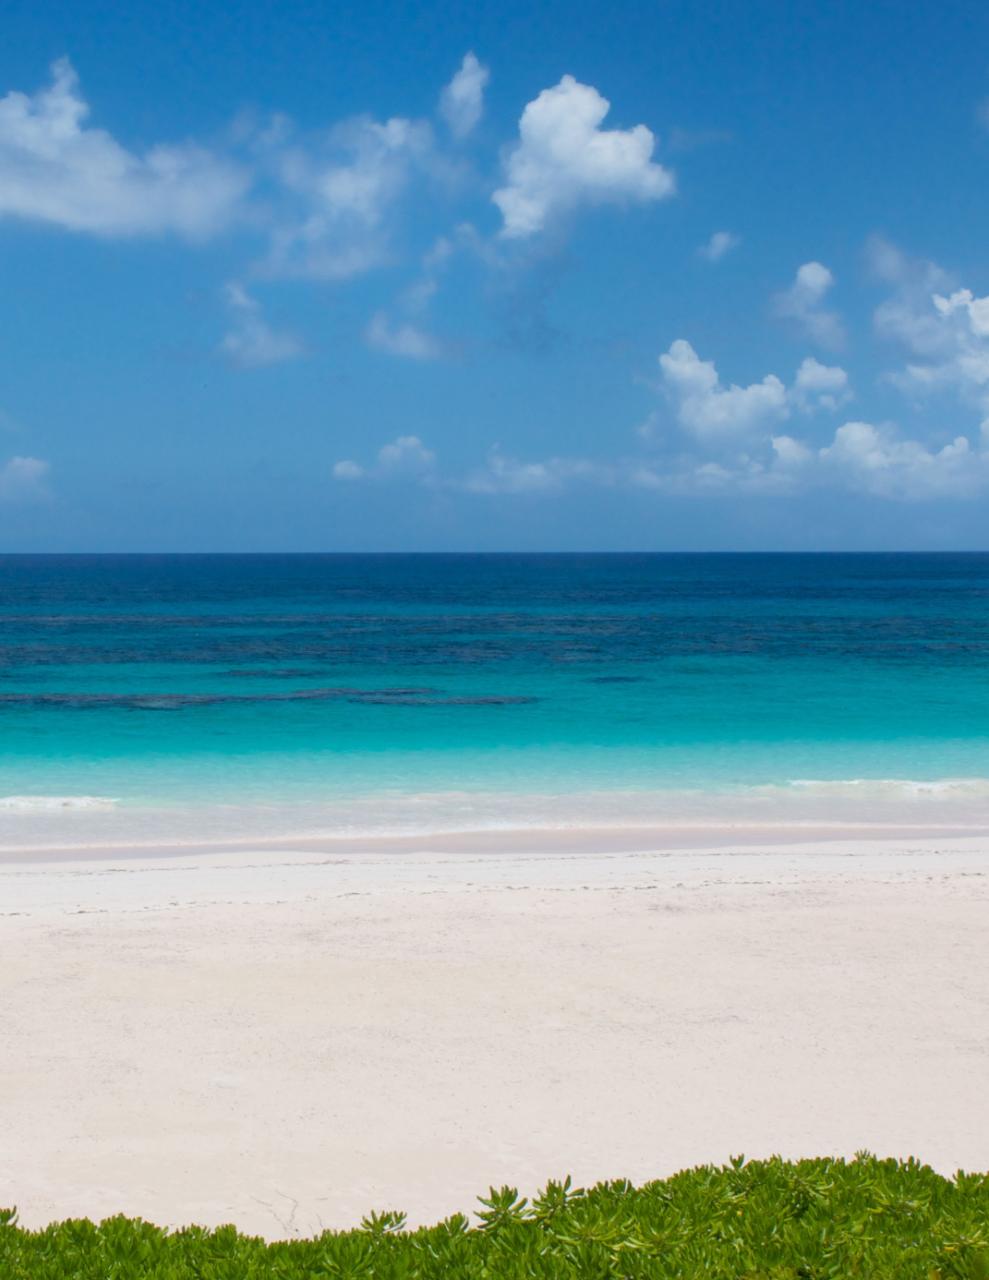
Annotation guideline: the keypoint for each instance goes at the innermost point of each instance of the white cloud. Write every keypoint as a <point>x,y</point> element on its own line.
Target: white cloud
<point>417,297</point>
<point>802,303</point>
<point>734,445</point>
<point>252,342</point>
<point>363,186</point>
<point>462,101</point>
<point>861,457</point>
<point>964,302</point>
<point>945,329</point>
<point>564,159</point>
<point>720,244</point>
<point>820,386</point>
<point>719,417</point>
<point>408,458</point>
<point>24,480</point>
<point>409,338</point>
<point>404,456</point>
<point>503,474</point>
<point>775,465</point>
<point>878,461</point>
<point>745,454</point>
<point>965,362</point>
<point>347,186</point>
<point>908,315</point>
<point>711,411</point>
<point>406,453</point>
<point>402,339</point>
<point>55,169</point>
<point>790,454</point>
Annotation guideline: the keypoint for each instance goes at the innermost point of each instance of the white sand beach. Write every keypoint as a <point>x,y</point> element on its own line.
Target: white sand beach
<point>288,1038</point>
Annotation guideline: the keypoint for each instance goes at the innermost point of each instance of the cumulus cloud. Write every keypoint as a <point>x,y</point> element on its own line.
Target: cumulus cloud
<point>252,342</point>
<point>974,310</point>
<point>56,169</point>
<point>878,461</point>
<point>803,304</point>
<point>945,329</point>
<point>711,411</point>
<point>861,457</point>
<point>346,185</point>
<point>24,480</point>
<point>405,456</point>
<point>961,366</point>
<point>820,386</point>
<point>326,205</point>
<point>745,453</point>
<point>730,443</point>
<point>406,453</point>
<point>965,364</point>
<point>402,339</point>
<point>462,101</point>
<point>908,316</point>
<point>716,415</point>
<point>564,159</point>
<point>737,447</point>
<point>720,244</point>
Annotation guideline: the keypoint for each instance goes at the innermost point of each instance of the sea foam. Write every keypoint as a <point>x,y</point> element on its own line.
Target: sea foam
<point>860,804</point>
<point>48,804</point>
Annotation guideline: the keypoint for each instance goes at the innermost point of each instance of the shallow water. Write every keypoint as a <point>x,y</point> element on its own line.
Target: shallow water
<point>303,693</point>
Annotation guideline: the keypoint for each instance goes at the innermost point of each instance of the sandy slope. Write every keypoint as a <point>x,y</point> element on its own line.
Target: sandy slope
<point>288,1039</point>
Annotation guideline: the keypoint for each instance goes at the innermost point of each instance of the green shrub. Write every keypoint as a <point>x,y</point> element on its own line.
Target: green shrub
<point>772,1219</point>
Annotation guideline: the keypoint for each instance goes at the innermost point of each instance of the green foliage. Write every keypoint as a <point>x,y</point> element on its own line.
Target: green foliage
<point>763,1220</point>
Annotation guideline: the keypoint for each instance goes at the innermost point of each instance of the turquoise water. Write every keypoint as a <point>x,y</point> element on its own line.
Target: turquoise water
<point>423,690</point>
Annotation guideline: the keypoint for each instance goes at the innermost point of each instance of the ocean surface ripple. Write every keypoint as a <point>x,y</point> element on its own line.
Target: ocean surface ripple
<point>307,680</point>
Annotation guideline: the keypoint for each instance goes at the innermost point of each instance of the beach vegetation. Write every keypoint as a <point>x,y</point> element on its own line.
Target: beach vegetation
<point>818,1219</point>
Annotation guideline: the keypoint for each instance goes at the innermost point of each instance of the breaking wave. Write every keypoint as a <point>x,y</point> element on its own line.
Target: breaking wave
<point>51,804</point>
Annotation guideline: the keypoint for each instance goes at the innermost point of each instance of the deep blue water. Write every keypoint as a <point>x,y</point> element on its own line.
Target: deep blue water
<point>172,679</point>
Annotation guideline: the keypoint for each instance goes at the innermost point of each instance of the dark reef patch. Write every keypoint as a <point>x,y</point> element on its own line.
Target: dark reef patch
<point>401,697</point>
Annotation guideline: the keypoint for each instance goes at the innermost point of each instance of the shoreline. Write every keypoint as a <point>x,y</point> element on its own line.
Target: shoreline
<point>51,826</point>
<point>532,840</point>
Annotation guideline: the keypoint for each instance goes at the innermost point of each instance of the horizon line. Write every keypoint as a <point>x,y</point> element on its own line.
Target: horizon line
<point>858,551</point>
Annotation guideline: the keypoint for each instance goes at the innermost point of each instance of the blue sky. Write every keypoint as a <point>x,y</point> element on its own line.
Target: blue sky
<point>665,276</point>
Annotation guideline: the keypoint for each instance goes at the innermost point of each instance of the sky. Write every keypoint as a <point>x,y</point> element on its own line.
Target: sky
<point>623,276</point>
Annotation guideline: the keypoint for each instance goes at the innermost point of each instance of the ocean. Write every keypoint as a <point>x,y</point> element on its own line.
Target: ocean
<point>216,697</point>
